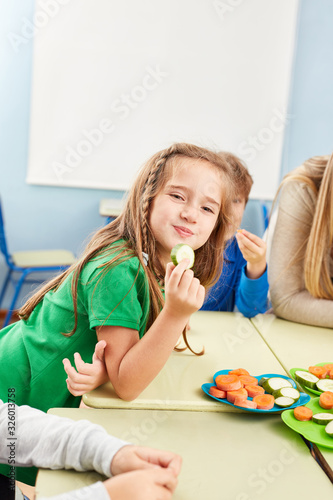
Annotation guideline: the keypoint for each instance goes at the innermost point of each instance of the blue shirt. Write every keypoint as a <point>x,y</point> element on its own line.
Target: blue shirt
<point>234,288</point>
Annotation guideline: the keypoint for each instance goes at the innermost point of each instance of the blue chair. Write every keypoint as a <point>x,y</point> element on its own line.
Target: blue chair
<point>26,263</point>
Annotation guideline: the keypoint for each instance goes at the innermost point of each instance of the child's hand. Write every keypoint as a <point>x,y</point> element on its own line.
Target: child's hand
<point>183,293</point>
<point>253,249</point>
<point>149,484</point>
<point>130,458</point>
<point>88,376</point>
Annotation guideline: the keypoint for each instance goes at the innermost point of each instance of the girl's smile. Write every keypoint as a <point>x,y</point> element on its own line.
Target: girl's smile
<point>187,207</point>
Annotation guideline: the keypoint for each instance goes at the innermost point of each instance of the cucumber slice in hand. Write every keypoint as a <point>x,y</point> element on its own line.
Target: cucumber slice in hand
<point>322,418</point>
<point>275,383</point>
<point>306,379</point>
<point>287,392</point>
<point>180,252</point>
<point>325,385</point>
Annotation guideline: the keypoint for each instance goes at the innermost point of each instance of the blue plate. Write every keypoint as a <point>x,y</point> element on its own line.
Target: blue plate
<point>304,398</point>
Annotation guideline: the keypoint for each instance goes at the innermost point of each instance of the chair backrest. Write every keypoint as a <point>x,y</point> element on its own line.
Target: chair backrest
<point>3,244</point>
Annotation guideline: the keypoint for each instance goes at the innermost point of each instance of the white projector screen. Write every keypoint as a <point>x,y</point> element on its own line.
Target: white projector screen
<point>114,82</point>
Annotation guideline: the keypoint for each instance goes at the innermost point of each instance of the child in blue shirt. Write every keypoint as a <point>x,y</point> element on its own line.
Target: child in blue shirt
<point>243,282</point>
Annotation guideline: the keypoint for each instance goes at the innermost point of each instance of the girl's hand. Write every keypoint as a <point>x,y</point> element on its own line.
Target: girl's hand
<point>88,376</point>
<point>183,293</point>
<point>130,458</point>
<point>149,484</point>
<point>253,249</point>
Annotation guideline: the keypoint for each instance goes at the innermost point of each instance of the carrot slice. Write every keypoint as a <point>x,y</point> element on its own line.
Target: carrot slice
<point>264,401</point>
<point>228,382</point>
<point>329,366</point>
<point>245,403</point>
<point>330,373</point>
<point>232,395</point>
<point>217,393</point>
<point>326,400</point>
<point>318,371</point>
<point>248,380</point>
<point>254,390</point>
<point>302,413</point>
<point>241,371</point>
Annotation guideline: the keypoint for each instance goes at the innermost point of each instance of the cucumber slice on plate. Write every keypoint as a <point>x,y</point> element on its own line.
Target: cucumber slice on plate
<point>275,383</point>
<point>322,418</point>
<point>180,252</point>
<point>329,429</point>
<point>287,392</point>
<point>325,384</point>
<point>262,381</point>
<point>284,402</point>
<point>306,378</point>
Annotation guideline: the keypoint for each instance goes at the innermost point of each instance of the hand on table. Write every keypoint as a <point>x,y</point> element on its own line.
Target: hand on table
<point>131,457</point>
<point>88,375</point>
<point>148,484</point>
<point>253,249</point>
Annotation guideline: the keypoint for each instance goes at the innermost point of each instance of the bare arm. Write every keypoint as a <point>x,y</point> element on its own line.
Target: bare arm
<point>132,364</point>
<point>290,299</point>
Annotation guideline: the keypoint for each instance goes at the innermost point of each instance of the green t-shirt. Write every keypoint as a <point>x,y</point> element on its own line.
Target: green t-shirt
<point>32,351</point>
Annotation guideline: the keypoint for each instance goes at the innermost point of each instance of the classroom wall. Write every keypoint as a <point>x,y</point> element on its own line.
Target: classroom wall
<point>41,217</point>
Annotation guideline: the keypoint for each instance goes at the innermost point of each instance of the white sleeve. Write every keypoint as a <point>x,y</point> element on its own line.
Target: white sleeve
<point>54,442</point>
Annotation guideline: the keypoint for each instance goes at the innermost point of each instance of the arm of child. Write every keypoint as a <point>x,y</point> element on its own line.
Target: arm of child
<point>87,376</point>
<point>132,365</point>
<point>57,442</point>
<point>253,249</point>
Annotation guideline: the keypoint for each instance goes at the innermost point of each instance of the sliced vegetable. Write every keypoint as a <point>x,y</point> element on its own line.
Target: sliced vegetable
<point>284,402</point>
<point>329,366</point>
<point>329,429</point>
<point>248,380</point>
<point>264,401</point>
<point>238,372</point>
<point>245,403</point>
<point>275,383</point>
<point>254,390</point>
<point>232,395</point>
<point>228,382</point>
<point>263,380</point>
<point>322,418</point>
<point>288,392</point>
<point>302,413</point>
<point>306,378</point>
<point>325,385</point>
<point>217,393</point>
<point>318,371</point>
<point>326,400</point>
<point>182,251</point>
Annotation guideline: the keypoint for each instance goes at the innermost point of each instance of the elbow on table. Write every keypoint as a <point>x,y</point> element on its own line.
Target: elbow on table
<point>127,393</point>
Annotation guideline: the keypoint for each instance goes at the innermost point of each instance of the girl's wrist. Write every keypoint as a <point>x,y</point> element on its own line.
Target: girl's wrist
<point>255,271</point>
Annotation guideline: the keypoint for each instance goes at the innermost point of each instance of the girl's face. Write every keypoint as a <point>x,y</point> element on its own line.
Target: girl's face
<point>187,207</point>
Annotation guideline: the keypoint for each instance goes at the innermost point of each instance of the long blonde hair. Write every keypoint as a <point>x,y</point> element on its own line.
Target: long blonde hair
<point>132,225</point>
<point>317,173</point>
<point>242,178</point>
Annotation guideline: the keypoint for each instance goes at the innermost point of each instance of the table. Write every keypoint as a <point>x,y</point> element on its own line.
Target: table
<point>228,339</point>
<point>297,346</point>
<point>231,456</point>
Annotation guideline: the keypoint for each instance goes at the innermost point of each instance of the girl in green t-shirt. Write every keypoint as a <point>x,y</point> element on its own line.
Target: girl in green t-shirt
<point>124,291</point>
